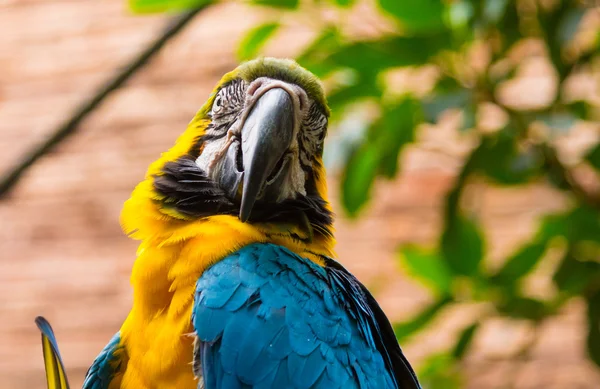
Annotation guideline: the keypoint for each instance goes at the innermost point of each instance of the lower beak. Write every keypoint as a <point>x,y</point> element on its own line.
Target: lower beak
<point>266,136</point>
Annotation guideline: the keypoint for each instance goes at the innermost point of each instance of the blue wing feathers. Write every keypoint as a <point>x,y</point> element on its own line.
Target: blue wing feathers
<point>104,367</point>
<point>312,368</point>
<point>375,324</point>
<point>267,318</point>
<point>282,377</point>
<point>280,346</point>
<point>241,296</point>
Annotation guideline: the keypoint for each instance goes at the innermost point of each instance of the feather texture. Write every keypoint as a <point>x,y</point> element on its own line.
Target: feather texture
<point>56,376</point>
<point>265,316</point>
<point>268,318</point>
<point>106,368</point>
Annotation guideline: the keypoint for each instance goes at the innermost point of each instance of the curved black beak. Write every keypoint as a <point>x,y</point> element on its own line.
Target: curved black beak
<point>266,136</point>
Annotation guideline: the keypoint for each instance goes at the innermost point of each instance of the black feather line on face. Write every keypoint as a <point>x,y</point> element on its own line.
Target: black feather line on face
<point>188,190</point>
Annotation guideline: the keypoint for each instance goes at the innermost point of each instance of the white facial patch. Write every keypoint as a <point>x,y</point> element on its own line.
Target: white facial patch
<point>214,150</point>
<point>208,160</point>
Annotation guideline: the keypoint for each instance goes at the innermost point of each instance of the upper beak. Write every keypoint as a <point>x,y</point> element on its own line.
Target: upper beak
<point>266,136</point>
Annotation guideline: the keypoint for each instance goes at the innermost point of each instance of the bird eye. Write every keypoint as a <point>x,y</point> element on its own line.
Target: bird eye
<point>218,104</point>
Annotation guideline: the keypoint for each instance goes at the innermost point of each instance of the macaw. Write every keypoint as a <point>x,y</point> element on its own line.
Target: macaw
<point>234,285</point>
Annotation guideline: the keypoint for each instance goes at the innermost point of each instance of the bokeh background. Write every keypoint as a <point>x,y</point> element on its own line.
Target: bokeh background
<point>462,163</point>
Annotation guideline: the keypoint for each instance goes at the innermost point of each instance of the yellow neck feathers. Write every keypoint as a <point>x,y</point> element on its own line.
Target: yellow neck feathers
<point>172,256</point>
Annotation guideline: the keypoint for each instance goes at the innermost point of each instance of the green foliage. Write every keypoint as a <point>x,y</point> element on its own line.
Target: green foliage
<point>290,4</point>
<point>378,155</point>
<point>374,56</point>
<point>358,180</point>
<point>593,338</point>
<point>442,35</point>
<point>344,3</point>
<point>406,329</point>
<point>462,245</point>
<point>316,56</point>
<point>521,263</point>
<point>573,275</point>
<point>255,40</point>
<point>593,157</point>
<point>416,15</point>
<point>503,160</point>
<point>428,267</point>
<point>519,307</point>
<point>151,6</point>
<point>464,341</point>
<point>440,371</point>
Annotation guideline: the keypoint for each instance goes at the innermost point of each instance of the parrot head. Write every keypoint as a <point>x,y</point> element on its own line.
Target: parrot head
<point>253,151</point>
<point>268,121</point>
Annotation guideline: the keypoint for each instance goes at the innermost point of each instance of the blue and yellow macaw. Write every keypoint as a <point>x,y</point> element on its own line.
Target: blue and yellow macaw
<point>234,285</point>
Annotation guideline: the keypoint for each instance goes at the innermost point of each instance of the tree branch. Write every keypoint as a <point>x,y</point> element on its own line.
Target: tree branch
<point>70,126</point>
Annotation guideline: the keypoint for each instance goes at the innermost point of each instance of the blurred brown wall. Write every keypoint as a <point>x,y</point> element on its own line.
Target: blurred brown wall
<point>62,254</point>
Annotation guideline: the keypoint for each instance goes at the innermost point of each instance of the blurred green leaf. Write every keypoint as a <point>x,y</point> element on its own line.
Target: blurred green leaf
<point>593,157</point>
<point>464,341</point>
<point>577,224</point>
<point>462,245</point>
<point>155,6</point>
<point>583,223</point>
<point>500,159</point>
<point>447,84</point>
<point>550,21</point>
<point>552,226</point>
<point>461,242</point>
<point>428,267</point>
<point>289,4</point>
<point>453,199</point>
<point>344,3</point>
<point>255,39</point>
<point>364,87</point>
<point>573,276</point>
<point>527,257</point>
<point>315,57</point>
<point>405,329</point>
<point>580,109</point>
<point>373,56</point>
<point>508,26</point>
<point>524,308</point>
<point>379,153</point>
<point>358,178</point>
<point>555,175</point>
<point>521,263</point>
<point>395,130</point>
<point>440,371</point>
<point>416,15</point>
<point>593,338</point>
